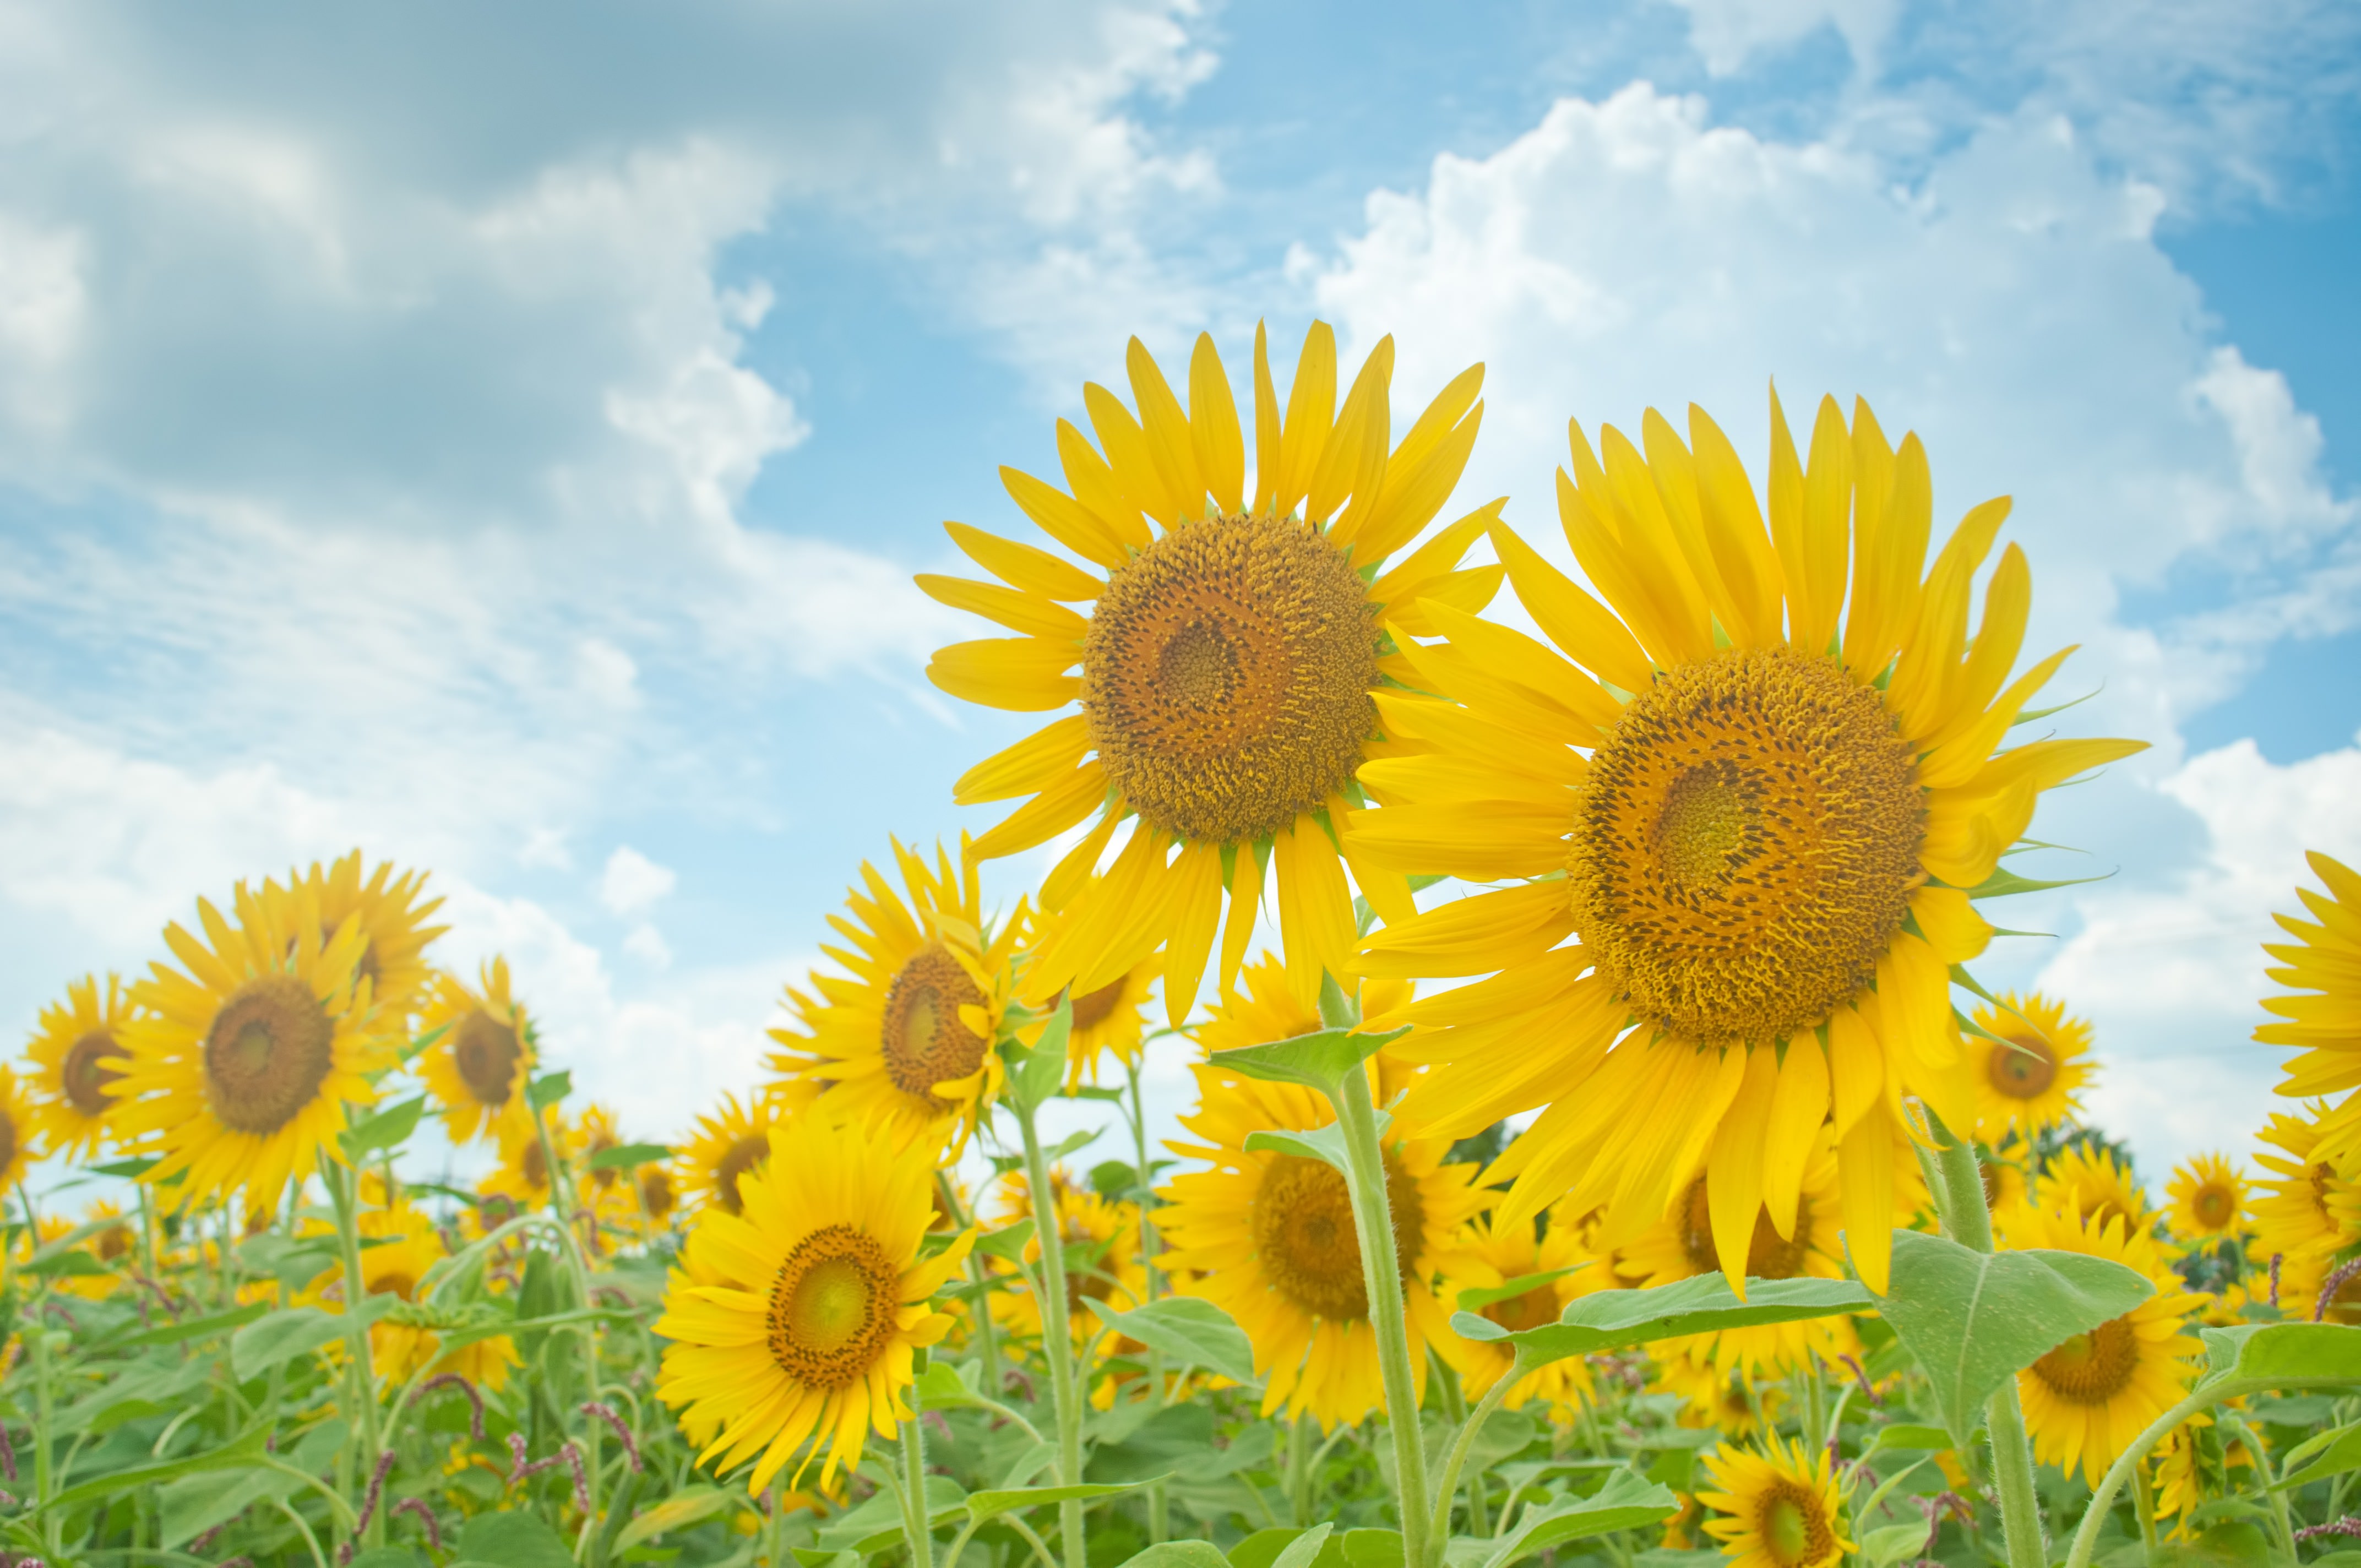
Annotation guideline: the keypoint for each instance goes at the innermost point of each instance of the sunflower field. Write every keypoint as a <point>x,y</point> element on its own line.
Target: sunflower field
<point>1603,1152</point>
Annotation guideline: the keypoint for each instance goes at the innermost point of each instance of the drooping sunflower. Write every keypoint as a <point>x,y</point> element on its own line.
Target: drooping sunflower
<point>2035,1080</point>
<point>1270,1238</point>
<point>903,1037</point>
<point>240,1069</point>
<point>796,1318</point>
<point>479,1067</point>
<point>78,1057</point>
<point>392,910</point>
<point>2086,1400</point>
<point>1780,1506</point>
<point>1110,1021</point>
<point>1762,805</point>
<point>1515,1253</point>
<point>2209,1198</point>
<point>1227,652</point>
<point>2323,967</point>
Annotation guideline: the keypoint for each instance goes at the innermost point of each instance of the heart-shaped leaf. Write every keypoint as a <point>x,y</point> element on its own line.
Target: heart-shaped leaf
<point>1613,1318</point>
<point>1974,1320</point>
<point>1317,1060</point>
<point>1187,1331</point>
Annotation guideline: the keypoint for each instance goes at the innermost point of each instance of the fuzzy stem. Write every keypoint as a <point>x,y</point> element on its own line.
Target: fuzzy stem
<point>1056,1336</point>
<point>1159,1504</point>
<point>2102,1496</point>
<point>916,1530</point>
<point>1448,1482</point>
<point>343,1186</point>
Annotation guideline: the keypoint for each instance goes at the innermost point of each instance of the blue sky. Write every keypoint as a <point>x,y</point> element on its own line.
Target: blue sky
<point>502,438</point>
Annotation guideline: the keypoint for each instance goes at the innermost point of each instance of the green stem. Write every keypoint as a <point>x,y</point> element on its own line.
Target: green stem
<point>2244,1434</point>
<point>2145,1506</point>
<point>1299,1471</point>
<point>2102,1496</point>
<point>916,1530</point>
<point>1448,1482</point>
<point>341,1183</point>
<point>1159,1504</point>
<point>561,1188</point>
<point>1056,1336</point>
<point>1381,1278</point>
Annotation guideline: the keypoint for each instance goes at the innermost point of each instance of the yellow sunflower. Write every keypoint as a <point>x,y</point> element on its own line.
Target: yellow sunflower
<point>2034,1080</point>
<point>2091,1183</point>
<point>392,910</point>
<point>2325,961</point>
<point>523,1176</point>
<point>78,1057</point>
<point>241,1069</point>
<point>904,1036</point>
<point>657,1195</point>
<point>1780,1506</point>
<point>481,1064</point>
<point>796,1318</point>
<point>2087,1399</point>
<point>1514,1253</point>
<point>609,1196</point>
<point>2192,1465</point>
<point>1682,1245</point>
<point>727,1145</point>
<point>403,1247</point>
<point>1102,1243</point>
<point>2209,1198</point>
<point>112,1246</point>
<point>2306,1207</point>
<point>1764,812</point>
<point>1270,1238</point>
<point>1108,1021</point>
<point>1228,653</point>
<point>1268,1009</point>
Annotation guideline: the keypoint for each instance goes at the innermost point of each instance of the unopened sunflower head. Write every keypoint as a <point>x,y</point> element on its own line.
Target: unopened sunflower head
<point>901,1033</point>
<point>1212,654</point>
<point>1762,784</point>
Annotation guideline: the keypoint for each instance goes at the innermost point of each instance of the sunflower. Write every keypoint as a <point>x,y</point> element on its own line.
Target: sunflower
<point>2325,959</point>
<point>523,1176</point>
<point>78,1057</point>
<point>734,1140</point>
<point>2086,1400</point>
<point>403,1247</point>
<point>2306,1207</point>
<point>1682,1245</point>
<point>904,1036</point>
<point>1227,654</point>
<point>392,910</point>
<point>241,1069</point>
<point>481,1065</point>
<point>1766,835</point>
<point>1781,1507</point>
<point>1108,1021</point>
<point>112,1247</point>
<point>1270,1238</point>
<point>1515,1253</point>
<point>1102,1252</point>
<point>2003,1169</point>
<point>1268,1009</point>
<point>1734,1403</point>
<point>2091,1183</point>
<point>607,1195</point>
<point>796,1317</point>
<point>2192,1464</point>
<point>658,1198</point>
<point>2209,1198</point>
<point>2031,1076</point>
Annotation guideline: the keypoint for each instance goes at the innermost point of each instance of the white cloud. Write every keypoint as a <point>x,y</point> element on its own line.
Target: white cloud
<point>632,883</point>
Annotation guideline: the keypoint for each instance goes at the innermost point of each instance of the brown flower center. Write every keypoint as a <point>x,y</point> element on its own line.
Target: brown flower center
<point>744,1155</point>
<point>2023,1068</point>
<point>487,1052</point>
<point>269,1051</point>
<point>396,1284</point>
<point>1093,1006</point>
<point>1793,1526</point>
<point>2216,1205</point>
<point>113,1243</point>
<point>1744,845</point>
<point>92,1063</point>
<point>1227,676</point>
<point>656,1198</point>
<point>1768,1255</point>
<point>2091,1368</point>
<point>832,1307</point>
<point>1534,1309</point>
<point>1305,1241</point>
<point>924,1041</point>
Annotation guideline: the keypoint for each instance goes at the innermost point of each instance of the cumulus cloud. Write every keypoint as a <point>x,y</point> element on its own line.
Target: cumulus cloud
<point>632,883</point>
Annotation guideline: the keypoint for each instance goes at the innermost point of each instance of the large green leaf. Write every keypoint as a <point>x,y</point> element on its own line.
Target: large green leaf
<point>194,1504</point>
<point>1626,1502</point>
<point>877,1524</point>
<point>297,1330</point>
<point>1317,1060</point>
<point>1610,1319</point>
<point>514,1540</point>
<point>1044,1068</point>
<point>1179,1554</point>
<point>678,1511</point>
<point>2290,1354</point>
<point>1974,1320</point>
<point>196,1328</point>
<point>1187,1331</point>
<point>1476,1300</point>
<point>388,1129</point>
<point>1325,1145</point>
<point>625,1156</point>
<point>237,1455</point>
<point>982,1506</point>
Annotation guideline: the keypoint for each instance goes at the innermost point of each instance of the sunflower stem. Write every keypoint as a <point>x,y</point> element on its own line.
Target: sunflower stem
<point>1056,1336</point>
<point>561,1188</point>
<point>2103,1496</point>
<point>1448,1482</point>
<point>916,1529</point>
<point>1959,1192</point>
<point>1381,1279</point>
<point>342,1184</point>
<point>1158,1505</point>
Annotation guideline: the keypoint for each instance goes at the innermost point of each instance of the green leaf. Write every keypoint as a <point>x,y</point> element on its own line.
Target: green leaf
<point>1974,1320</point>
<point>1038,1076</point>
<point>128,1170</point>
<point>1009,1242</point>
<point>940,1388</point>
<point>73,1264</point>
<point>2294,1355</point>
<point>1610,1319</point>
<point>514,1540</point>
<point>1325,1145</point>
<point>1508,1290</point>
<point>1317,1060</point>
<point>1179,1554</point>
<point>549,1088</point>
<point>1372,1548</point>
<point>877,1524</point>
<point>2345,1440</point>
<point>297,1330</point>
<point>2003,882</point>
<point>389,1128</point>
<point>1626,1502</point>
<point>1081,1139</point>
<point>196,1328</point>
<point>982,1506</point>
<point>1186,1329</point>
<point>1904,1437</point>
<point>2232,1545</point>
<point>194,1504</point>
<point>1304,1549</point>
<point>676,1512</point>
<point>239,1454</point>
<point>1894,1542</point>
<point>625,1156</point>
